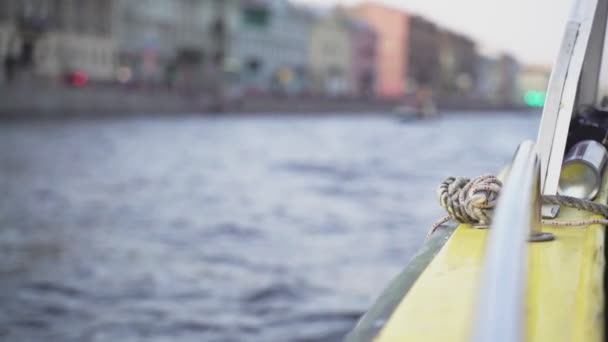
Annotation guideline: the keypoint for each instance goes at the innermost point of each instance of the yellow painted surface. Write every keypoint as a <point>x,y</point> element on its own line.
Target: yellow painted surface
<point>565,293</point>
<point>438,306</point>
<point>564,298</point>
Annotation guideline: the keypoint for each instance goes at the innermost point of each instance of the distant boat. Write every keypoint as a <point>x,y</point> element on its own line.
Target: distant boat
<point>522,279</point>
<point>423,106</point>
<point>410,112</point>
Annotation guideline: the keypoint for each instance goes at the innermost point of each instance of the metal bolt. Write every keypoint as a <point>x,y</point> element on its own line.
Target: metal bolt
<point>541,237</point>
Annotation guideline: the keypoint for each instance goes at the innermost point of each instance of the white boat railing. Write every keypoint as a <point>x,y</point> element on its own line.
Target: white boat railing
<point>500,311</point>
<point>574,81</point>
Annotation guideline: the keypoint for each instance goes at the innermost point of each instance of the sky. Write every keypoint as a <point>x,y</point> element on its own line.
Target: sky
<point>529,29</point>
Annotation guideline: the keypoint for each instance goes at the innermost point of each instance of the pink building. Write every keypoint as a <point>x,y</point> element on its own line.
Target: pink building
<point>392,30</point>
<point>364,44</point>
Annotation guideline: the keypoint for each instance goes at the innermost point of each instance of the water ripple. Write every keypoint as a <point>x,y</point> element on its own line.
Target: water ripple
<point>220,229</point>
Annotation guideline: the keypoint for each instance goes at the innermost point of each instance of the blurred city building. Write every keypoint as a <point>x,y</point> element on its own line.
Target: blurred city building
<point>457,63</point>
<point>8,40</point>
<point>391,32</point>
<point>146,34</point>
<point>408,55</point>
<point>501,81</point>
<point>55,39</point>
<point>422,54</point>
<point>363,43</point>
<point>488,79</point>
<point>220,51</point>
<point>175,43</point>
<point>271,46</point>
<point>331,54</point>
<point>509,69</point>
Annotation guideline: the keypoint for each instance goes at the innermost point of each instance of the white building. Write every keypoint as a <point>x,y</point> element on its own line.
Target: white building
<point>61,36</point>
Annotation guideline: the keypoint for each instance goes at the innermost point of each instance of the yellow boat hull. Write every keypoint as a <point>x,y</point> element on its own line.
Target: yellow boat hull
<point>564,299</point>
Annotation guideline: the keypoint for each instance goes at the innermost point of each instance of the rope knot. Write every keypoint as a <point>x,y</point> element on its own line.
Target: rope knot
<point>470,201</point>
<point>473,201</point>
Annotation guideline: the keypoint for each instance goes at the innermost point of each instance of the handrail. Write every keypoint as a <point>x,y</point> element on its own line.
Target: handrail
<point>574,81</point>
<point>500,311</point>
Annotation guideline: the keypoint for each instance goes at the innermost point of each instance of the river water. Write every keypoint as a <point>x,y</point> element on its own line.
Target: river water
<point>235,228</point>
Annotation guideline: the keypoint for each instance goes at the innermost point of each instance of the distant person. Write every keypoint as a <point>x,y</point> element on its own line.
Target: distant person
<point>425,104</point>
<point>604,102</point>
<point>170,75</point>
<point>26,58</point>
<point>9,68</point>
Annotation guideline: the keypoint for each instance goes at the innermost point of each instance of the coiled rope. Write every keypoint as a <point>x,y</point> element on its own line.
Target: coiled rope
<point>473,200</point>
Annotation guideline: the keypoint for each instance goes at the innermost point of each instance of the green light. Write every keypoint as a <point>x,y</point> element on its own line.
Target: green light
<point>535,98</point>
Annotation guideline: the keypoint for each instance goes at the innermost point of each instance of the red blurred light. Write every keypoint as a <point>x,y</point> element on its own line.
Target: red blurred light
<point>79,78</point>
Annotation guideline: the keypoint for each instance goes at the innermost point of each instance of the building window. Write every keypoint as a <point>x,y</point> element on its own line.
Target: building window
<point>91,57</point>
<point>108,58</point>
<point>41,53</point>
<point>79,14</point>
<point>329,48</point>
<point>102,11</point>
<point>98,54</point>
<point>6,11</point>
<point>253,65</point>
<point>255,17</point>
<point>58,16</point>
